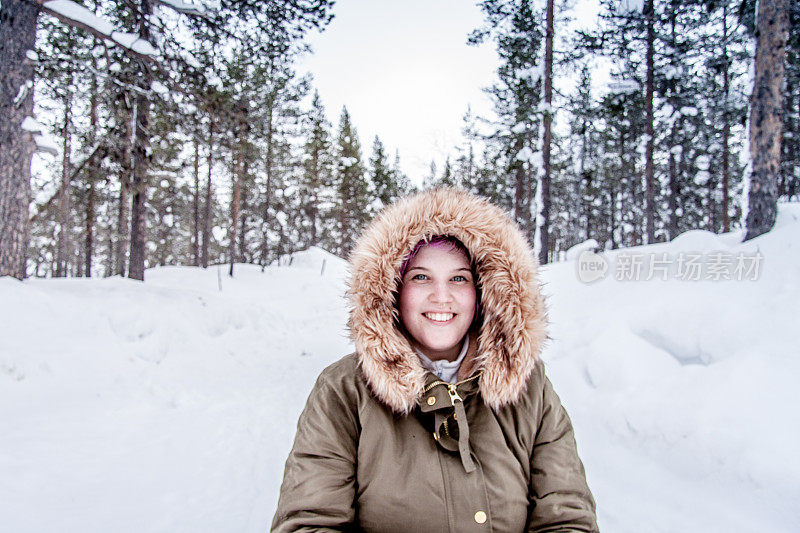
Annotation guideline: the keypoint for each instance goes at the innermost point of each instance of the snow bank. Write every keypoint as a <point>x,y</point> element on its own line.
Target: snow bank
<point>163,406</point>
<point>684,393</point>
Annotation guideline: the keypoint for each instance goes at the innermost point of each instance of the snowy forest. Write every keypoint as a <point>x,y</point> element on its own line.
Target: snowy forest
<point>181,133</point>
<point>186,144</point>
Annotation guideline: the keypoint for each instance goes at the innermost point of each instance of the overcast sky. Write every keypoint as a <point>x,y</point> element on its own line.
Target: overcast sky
<point>405,73</point>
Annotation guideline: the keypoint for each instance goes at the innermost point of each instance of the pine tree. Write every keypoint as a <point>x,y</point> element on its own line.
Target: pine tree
<point>273,31</point>
<point>388,182</point>
<point>590,211</point>
<point>351,184</point>
<point>724,44</point>
<point>431,181</point>
<point>623,127</point>
<point>518,33</point>
<point>547,119</point>
<point>315,187</point>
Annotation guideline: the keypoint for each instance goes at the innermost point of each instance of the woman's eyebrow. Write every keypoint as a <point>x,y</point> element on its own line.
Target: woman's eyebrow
<point>466,269</point>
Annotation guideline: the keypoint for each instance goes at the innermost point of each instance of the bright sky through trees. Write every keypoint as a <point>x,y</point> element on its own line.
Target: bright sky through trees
<point>405,73</point>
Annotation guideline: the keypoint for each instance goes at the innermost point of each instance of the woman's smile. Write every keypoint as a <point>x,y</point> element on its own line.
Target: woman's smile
<point>439,318</point>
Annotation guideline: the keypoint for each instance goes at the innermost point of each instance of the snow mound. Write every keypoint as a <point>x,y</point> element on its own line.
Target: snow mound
<point>313,258</point>
<point>576,250</point>
<point>168,405</point>
<point>683,392</point>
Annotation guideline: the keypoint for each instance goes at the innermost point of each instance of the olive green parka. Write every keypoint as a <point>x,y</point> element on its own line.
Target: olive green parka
<point>384,446</point>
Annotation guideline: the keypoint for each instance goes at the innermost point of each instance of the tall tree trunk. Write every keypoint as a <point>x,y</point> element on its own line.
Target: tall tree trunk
<point>584,176</point>
<point>141,156</point>
<point>196,205</point>
<point>207,206</point>
<point>649,13</point>
<point>765,115</point>
<point>65,192</point>
<point>92,175</point>
<point>315,185</point>
<point>521,215</point>
<point>673,196</point>
<point>17,36</point>
<point>244,256</point>
<point>121,244</point>
<point>126,179</point>
<point>726,126</point>
<point>790,172</point>
<point>343,220</point>
<point>622,167</point>
<point>268,164</point>
<point>612,216</point>
<point>235,200</point>
<point>544,234</point>
<point>109,270</point>
<point>90,216</point>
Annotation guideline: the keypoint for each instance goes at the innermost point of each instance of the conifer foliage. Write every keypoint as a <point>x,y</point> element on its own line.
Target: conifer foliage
<point>187,136</point>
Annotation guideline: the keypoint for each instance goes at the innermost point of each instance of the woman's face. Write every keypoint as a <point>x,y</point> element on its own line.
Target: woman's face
<point>437,300</point>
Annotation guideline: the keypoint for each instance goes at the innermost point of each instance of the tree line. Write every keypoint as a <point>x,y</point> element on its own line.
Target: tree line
<point>184,135</point>
<point>195,149</point>
<point>663,148</point>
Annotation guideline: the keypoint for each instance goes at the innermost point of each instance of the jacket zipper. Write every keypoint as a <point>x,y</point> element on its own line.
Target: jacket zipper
<point>454,396</point>
<point>451,385</point>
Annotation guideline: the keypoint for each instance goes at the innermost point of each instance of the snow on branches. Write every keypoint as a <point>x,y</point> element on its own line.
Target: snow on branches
<point>73,14</point>
<point>76,15</point>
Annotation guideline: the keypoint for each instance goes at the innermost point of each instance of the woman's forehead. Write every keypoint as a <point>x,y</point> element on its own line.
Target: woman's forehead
<point>439,253</point>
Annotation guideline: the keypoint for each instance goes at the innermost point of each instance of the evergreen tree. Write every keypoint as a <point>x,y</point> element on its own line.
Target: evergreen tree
<point>431,181</point>
<point>589,211</point>
<point>388,182</point>
<point>316,195</point>
<point>351,185</point>
<point>269,30</point>
<point>724,43</point>
<point>518,33</point>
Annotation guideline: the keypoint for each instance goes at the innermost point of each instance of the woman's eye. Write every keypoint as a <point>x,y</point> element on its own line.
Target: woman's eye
<point>460,278</point>
<point>420,277</point>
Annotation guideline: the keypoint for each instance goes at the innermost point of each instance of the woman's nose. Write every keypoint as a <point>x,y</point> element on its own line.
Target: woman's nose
<point>441,292</point>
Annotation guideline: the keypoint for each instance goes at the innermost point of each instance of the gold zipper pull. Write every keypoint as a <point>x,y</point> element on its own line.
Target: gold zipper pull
<point>451,389</point>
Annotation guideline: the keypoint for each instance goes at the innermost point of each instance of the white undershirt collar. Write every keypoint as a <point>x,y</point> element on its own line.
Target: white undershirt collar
<point>444,369</point>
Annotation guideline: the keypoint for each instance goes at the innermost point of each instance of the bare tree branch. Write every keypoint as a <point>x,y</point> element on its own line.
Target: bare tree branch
<point>101,149</point>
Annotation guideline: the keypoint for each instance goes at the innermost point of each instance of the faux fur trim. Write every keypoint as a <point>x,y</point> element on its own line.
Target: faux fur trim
<point>514,317</point>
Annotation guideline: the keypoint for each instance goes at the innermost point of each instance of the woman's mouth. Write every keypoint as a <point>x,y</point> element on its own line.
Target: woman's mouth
<point>439,318</point>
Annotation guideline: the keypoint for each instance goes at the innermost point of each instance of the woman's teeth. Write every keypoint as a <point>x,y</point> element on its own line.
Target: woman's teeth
<point>439,317</point>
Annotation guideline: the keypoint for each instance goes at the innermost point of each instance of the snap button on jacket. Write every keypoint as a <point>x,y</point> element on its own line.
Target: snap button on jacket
<point>384,446</point>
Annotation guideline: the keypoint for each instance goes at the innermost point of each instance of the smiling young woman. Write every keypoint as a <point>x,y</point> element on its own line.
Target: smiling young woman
<point>443,418</point>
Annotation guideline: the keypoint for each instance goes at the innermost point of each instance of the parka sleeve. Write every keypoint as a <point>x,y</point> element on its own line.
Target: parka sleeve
<point>560,497</point>
<point>318,489</point>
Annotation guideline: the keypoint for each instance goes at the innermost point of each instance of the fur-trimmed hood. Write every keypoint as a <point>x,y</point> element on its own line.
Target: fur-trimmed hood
<point>510,339</point>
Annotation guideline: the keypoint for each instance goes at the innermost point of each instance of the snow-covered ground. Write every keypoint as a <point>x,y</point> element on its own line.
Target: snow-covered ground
<point>171,405</point>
